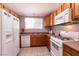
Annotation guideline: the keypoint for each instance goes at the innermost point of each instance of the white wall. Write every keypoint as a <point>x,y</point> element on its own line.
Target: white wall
<point>22,23</point>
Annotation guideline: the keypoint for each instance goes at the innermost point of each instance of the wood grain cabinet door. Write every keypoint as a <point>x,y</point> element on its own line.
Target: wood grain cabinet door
<point>65,6</point>
<point>75,10</point>
<point>59,10</point>
<point>52,19</point>
<point>47,21</point>
<point>48,42</point>
<point>38,40</point>
<point>55,13</point>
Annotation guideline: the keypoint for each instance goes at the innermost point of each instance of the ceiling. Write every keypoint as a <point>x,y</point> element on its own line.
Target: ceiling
<point>33,9</point>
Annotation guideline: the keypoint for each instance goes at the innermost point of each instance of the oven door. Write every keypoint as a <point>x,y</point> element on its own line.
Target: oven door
<point>56,49</point>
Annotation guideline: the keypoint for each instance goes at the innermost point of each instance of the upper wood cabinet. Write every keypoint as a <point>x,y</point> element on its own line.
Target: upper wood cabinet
<point>59,10</point>
<point>1,5</point>
<point>55,13</point>
<point>46,21</point>
<point>49,20</point>
<point>65,6</point>
<point>52,19</point>
<point>75,11</point>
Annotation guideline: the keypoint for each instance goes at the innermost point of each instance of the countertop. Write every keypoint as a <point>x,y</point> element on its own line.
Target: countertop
<point>36,33</point>
<point>74,45</point>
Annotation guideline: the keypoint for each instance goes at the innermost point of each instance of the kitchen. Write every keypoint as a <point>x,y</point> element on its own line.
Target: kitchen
<point>51,31</point>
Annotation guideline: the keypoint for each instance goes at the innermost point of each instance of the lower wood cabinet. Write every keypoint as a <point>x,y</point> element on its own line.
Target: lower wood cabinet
<point>40,40</point>
<point>48,42</point>
<point>68,51</point>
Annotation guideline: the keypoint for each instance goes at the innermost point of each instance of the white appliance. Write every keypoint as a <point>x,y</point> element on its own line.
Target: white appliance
<point>25,40</point>
<point>57,43</point>
<point>63,17</point>
<point>56,46</point>
<point>16,35</point>
<point>7,44</point>
<point>7,34</point>
<point>0,35</point>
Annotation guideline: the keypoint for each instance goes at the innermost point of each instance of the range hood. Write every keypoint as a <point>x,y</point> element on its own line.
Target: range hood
<point>64,18</point>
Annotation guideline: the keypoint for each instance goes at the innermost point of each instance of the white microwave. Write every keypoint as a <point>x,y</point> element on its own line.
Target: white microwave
<point>63,17</point>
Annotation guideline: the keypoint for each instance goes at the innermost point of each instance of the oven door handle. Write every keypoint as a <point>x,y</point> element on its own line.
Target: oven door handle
<point>56,43</point>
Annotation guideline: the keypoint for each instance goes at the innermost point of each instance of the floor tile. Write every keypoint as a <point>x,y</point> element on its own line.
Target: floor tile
<point>34,51</point>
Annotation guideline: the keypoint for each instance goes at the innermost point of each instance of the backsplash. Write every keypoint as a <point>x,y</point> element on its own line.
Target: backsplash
<point>67,31</point>
<point>72,27</point>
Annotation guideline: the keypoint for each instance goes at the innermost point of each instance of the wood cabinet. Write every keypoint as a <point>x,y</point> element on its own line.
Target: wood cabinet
<point>68,51</point>
<point>65,6</point>
<point>49,20</point>
<point>48,42</point>
<point>75,11</point>
<point>1,5</point>
<point>38,40</point>
<point>59,10</point>
<point>52,19</point>
<point>55,13</point>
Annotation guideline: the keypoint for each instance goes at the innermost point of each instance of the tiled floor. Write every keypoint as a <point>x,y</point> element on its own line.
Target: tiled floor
<point>34,51</point>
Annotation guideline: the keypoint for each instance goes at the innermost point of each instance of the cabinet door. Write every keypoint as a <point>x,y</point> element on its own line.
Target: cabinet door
<point>49,20</point>
<point>66,5</point>
<point>38,40</point>
<point>48,42</point>
<point>75,10</point>
<point>46,21</point>
<point>52,19</point>
<point>59,10</point>
<point>55,13</point>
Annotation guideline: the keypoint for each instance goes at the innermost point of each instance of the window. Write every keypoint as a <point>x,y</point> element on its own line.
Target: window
<point>33,23</point>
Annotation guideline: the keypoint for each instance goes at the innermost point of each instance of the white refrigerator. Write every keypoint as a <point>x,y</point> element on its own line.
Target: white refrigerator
<point>0,33</point>
<point>7,38</point>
